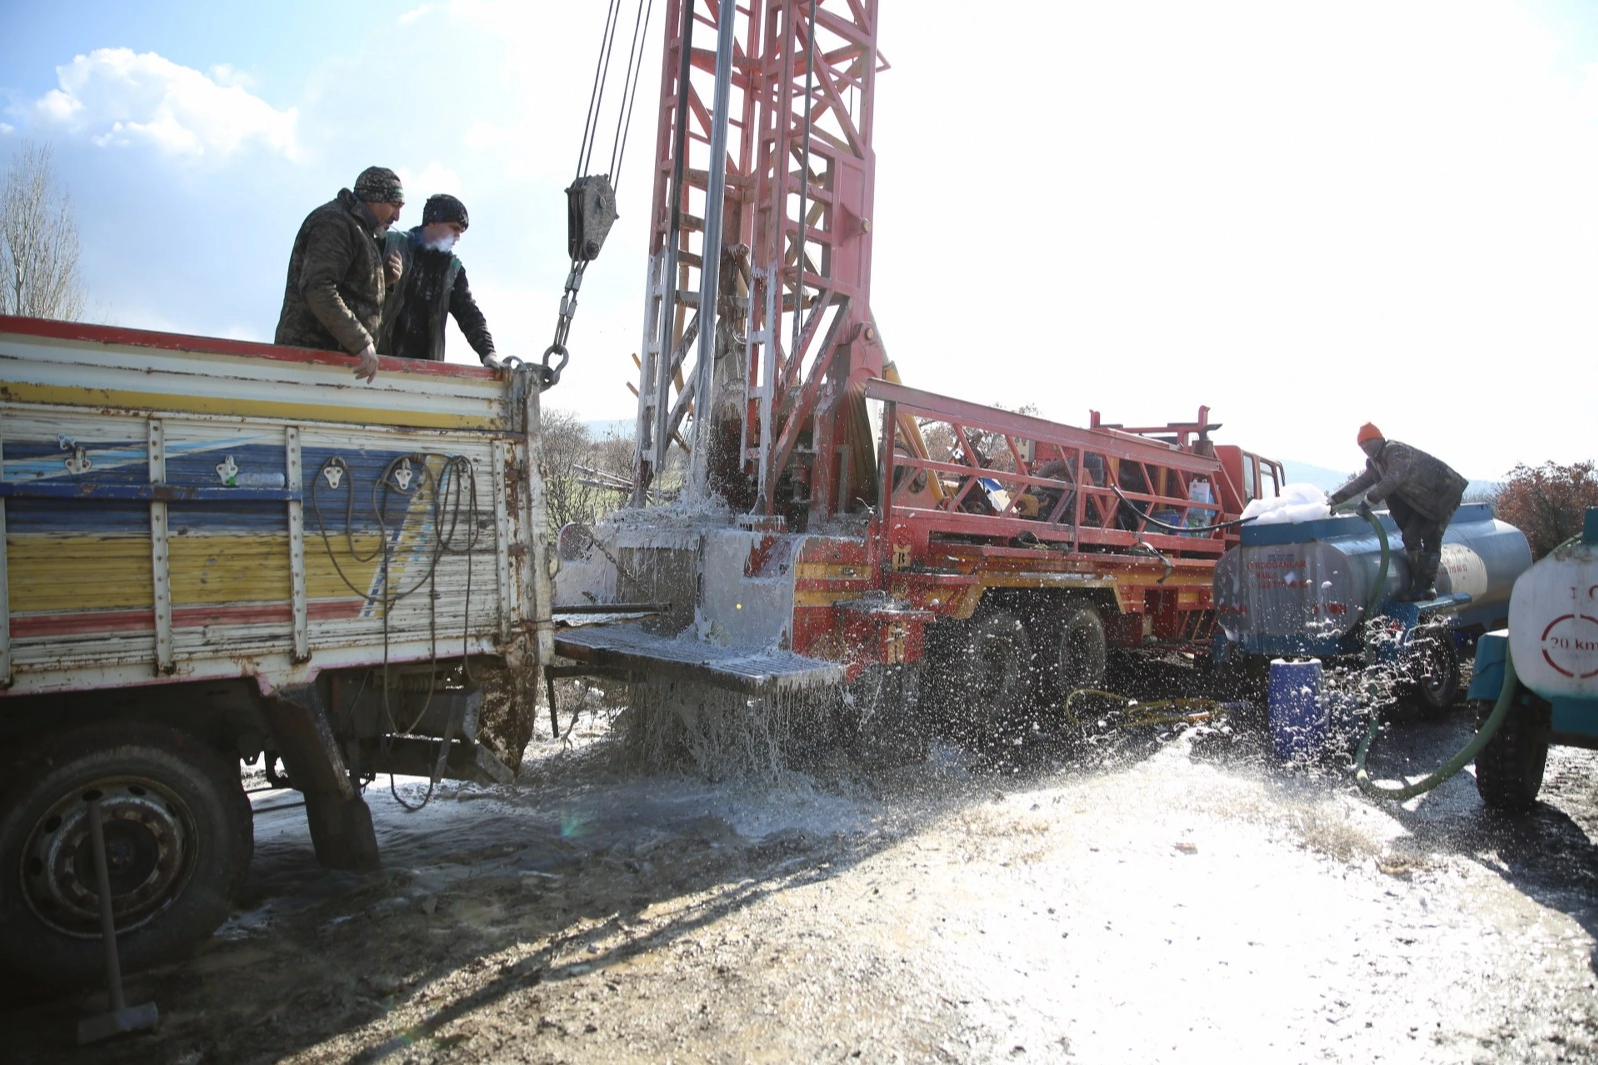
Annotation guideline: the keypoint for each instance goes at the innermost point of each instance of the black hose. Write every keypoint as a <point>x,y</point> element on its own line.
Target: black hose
<point>1234,523</point>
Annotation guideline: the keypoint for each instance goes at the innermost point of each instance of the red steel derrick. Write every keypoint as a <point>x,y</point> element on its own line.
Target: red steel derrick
<point>795,331</point>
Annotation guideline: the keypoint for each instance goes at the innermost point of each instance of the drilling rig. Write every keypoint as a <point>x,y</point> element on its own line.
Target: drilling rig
<point>803,521</point>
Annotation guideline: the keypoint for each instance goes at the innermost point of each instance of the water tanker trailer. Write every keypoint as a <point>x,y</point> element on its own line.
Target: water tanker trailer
<point>1551,651</point>
<point>1329,589</point>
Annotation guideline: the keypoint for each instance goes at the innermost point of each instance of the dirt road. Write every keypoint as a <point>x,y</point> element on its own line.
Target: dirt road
<point>1166,897</point>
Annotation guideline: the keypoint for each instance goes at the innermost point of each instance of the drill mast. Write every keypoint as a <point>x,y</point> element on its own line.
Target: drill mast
<point>764,368</point>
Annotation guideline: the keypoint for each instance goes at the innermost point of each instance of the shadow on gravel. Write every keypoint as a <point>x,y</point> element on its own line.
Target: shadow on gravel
<point>1549,857</point>
<point>581,876</point>
<point>1547,854</point>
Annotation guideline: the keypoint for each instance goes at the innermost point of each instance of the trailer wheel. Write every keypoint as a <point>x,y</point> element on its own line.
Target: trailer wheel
<point>1082,650</point>
<point>178,838</point>
<point>1509,770</point>
<point>1433,664</point>
<point>994,677</point>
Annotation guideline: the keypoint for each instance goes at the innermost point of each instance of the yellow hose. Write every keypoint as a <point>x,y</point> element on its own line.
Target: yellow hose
<point>1152,713</point>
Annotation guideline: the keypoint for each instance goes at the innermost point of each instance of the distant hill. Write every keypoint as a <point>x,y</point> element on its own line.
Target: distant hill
<point>1321,477</point>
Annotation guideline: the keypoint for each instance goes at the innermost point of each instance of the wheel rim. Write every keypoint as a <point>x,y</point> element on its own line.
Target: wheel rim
<point>149,842</point>
<point>1436,685</point>
<point>1438,669</point>
<point>998,663</point>
<point>1082,654</point>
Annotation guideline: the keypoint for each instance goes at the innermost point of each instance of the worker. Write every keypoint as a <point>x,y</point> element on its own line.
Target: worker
<point>338,274</point>
<point>435,287</point>
<point>1422,494</point>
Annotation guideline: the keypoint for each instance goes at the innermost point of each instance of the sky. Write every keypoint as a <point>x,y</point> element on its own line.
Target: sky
<point>1303,215</point>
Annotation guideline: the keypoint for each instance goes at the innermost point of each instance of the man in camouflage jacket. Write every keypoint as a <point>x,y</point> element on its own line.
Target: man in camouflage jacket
<point>338,277</point>
<point>1422,494</point>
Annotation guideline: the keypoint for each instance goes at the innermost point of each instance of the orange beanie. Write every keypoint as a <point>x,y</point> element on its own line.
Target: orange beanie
<point>1368,431</point>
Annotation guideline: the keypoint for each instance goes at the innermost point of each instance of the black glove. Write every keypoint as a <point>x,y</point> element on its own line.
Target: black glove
<point>1364,509</point>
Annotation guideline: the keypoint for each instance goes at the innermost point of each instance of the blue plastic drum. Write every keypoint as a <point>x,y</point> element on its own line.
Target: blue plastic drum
<point>1297,714</point>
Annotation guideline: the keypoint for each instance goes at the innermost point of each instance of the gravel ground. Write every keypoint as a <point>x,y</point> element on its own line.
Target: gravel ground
<point>1162,895</point>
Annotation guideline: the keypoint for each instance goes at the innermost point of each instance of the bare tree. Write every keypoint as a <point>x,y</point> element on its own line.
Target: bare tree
<point>584,478</point>
<point>38,241</point>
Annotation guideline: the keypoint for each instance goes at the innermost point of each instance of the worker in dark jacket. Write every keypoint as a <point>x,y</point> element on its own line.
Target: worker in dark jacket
<point>339,275</point>
<point>1422,494</point>
<point>434,287</point>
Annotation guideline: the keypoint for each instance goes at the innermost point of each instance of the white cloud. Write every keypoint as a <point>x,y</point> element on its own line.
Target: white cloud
<point>418,12</point>
<point>484,135</point>
<point>118,98</point>
<point>226,74</point>
<point>433,178</point>
<point>1588,91</point>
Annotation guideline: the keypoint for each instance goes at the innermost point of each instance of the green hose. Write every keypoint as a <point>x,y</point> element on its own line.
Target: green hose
<point>1506,699</point>
<point>1381,571</point>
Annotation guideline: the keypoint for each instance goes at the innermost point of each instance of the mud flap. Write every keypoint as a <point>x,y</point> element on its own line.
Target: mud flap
<point>339,819</point>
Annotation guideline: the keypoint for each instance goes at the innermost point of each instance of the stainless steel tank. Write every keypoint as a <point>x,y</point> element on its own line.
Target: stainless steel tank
<point>1304,587</point>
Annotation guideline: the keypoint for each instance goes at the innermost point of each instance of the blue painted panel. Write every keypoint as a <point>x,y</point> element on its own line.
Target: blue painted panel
<point>112,497</point>
<point>114,462</point>
<point>1343,525</point>
<point>259,464</point>
<point>77,518</point>
<point>1575,715</point>
<point>238,516</point>
<point>1487,676</point>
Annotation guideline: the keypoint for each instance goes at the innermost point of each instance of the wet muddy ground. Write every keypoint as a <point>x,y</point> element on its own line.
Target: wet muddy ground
<point>1159,895</point>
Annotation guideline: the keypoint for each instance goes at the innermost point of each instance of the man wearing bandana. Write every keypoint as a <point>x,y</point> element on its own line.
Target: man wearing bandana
<point>339,274</point>
<point>434,287</point>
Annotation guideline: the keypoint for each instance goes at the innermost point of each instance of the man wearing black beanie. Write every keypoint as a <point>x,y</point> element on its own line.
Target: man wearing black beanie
<point>433,286</point>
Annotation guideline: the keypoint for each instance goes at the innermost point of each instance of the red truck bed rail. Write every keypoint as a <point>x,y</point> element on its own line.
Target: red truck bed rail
<point>963,470</point>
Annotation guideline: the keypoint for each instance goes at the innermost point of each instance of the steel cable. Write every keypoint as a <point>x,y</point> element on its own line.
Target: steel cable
<point>449,490</point>
<point>596,95</point>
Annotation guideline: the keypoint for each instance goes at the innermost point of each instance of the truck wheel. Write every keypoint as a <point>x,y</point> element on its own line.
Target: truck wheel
<point>1509,770</point>
<point>1082,650</point>
<point>1433,664</point>
<point>995,677</point>
<point>178,838</point>
<point>884,724</point>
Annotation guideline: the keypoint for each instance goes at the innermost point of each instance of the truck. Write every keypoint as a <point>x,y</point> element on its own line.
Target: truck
<point>216,550</point>
<point>857,531</point>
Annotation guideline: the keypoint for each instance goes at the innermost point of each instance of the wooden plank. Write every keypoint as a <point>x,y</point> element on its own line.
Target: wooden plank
<point>160,554</point>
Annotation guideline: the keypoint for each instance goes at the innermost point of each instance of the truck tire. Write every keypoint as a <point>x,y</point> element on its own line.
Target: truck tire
<point>884,725</point>
<point>1509,769</point>
<point>1434,674</point>
<point>178,836</point>
<point>1082,651</point>
<point>994,676</point>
